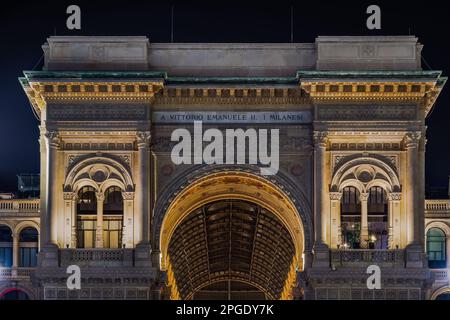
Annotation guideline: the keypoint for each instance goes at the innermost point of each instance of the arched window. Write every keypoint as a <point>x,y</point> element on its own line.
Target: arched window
<point>377,218</point>
<point>351,218</point>
<point>86,217</point>
<point>14,294</point>
<point>112,218</point>
<point>28,243</point>
<point>6,244</point>
<point>436,248</point>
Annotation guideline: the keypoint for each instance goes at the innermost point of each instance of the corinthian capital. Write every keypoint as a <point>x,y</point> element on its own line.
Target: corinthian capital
<point>320,139</point>
<point>411,139</point>
<point>335,196</point>
<point>143,139</point>
<point>364,196</point>
<point>126,195</point>
<point>100,196</point>
<point>53,139</point>
<point>394,196</point>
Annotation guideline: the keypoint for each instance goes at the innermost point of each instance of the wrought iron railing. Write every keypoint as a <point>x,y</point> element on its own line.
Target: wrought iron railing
<point>361,257</point>
<point>97,257</point>
<point>441,275</point>
<point>15,273</point>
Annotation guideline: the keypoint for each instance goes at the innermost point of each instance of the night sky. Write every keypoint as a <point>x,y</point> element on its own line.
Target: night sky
<point>24,27</point>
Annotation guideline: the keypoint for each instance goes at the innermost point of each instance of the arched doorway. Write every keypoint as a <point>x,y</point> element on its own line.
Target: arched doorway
<point>14,294</point>
<point>221,233</point>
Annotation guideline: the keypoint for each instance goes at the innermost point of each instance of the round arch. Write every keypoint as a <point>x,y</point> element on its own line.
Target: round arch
<point>7,224</point>
<point>439,225</point>
<point>5,290</point>
<point>365,172</point>
<point>25,224</point>
<point>233,184</point>
<point>438,292</point>
<point>98,170</point>
<point>179,183</point>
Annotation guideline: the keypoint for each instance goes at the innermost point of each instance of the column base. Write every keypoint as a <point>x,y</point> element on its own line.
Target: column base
<point>49,255</point>
<point>415,257</point>
<point>143,255</point>
<point>321,256</point>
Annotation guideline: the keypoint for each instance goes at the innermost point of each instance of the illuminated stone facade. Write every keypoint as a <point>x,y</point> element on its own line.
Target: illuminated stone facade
<point>349,192</point>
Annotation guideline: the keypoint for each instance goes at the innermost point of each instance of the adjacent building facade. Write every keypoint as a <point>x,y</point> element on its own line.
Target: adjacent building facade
<point>349,191</point>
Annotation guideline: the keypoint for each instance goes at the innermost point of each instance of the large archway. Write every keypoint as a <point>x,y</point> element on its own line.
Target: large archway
<point>248,215</point>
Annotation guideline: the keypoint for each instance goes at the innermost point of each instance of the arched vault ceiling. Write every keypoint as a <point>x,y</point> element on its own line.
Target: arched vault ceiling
<point>231,240</point>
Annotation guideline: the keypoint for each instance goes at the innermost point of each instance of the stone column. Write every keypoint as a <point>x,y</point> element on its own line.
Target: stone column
<point>127,231</point>
<point>321,251</point>
<point>50,143</point>
<point>411,142</point>
<point>143,249</point>
<point>16,250</point>
<point>143,184</point>
<point>335,232</point>
<point>99,230</point>
<point>415,254</point>
<point>364,238</point>
<point>394,219</point>
<point>421,187</point>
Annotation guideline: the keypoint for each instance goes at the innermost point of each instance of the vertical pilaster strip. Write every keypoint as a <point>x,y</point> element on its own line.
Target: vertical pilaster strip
<point>394,219</point>
<point>364,197</point>
<point>99,230</point>
<point>127,231</point>
<point>70,199</point>
<point>16,250</point>
<point>335,232</point>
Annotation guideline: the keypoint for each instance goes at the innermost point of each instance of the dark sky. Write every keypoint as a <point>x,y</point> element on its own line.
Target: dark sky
<point>24,26</point>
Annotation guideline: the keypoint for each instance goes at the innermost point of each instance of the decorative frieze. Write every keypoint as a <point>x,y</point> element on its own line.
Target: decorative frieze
<point>367,112</point>
<point>97,111</point>
<point>97,146</point>
<point>363,146</point>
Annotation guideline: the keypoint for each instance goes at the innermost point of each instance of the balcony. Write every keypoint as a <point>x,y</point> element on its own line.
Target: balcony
<point>441,275</point>
<point>97,257</point>
<point>437,206</point>
<point>15,273</point>
<point>366,257</point>
<point>23,206</point>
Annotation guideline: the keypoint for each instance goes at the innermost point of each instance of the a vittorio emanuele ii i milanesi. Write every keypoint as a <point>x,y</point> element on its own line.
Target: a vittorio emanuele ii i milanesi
<point>348,193</point>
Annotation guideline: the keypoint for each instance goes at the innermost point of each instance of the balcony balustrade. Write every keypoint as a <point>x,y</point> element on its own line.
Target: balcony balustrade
<point>437,206</point>
<point>366,257</point>
<point>15,273</point>
<point>441,275</point>
<point>19,206</point>
<point>97,257</point>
